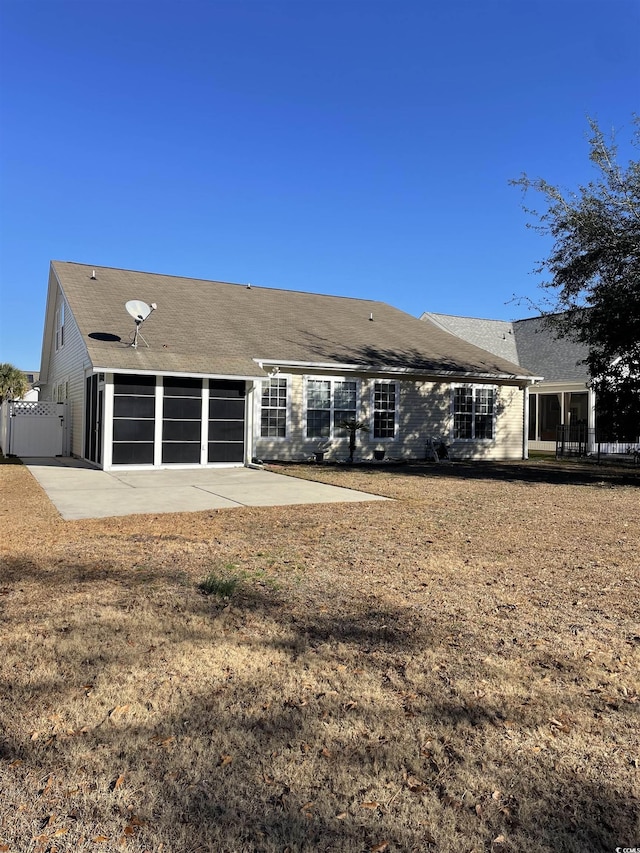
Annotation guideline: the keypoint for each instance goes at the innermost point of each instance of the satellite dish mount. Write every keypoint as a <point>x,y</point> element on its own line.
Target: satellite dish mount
<point>139,311</point>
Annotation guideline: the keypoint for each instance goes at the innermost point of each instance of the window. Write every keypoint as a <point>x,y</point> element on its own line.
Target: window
<point>384,409</point>
<point>344,405</point>
<point>473,410</point>
<point>60,327</point>
<point>329,402</point>
<point>549,416</point>
<point>273,419</point>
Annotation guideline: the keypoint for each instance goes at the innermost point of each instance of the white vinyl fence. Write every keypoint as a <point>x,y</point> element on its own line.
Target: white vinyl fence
<point>33,428</point>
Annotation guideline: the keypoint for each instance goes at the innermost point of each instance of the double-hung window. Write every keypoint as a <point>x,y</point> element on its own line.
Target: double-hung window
<point>61,391</point>
<point>473,412</point>
<point>60,326</point>
<point>385,409</point>
<point>273,415</point>
<point>329,403</point>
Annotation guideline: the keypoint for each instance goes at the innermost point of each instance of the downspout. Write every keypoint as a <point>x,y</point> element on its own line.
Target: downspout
<point>249,445</point>
<point>525,423</point>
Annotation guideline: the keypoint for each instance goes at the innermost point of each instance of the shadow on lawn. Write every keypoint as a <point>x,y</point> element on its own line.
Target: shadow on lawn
<point>216,766</point>
<point>232,775</point>
<point>553,473</point>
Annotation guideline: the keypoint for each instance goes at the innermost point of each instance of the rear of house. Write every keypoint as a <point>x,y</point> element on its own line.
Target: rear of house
<point>562,401</point>
<point>226,373</point>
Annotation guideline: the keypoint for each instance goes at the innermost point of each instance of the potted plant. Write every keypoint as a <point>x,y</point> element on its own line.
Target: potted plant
<point>353,426</point>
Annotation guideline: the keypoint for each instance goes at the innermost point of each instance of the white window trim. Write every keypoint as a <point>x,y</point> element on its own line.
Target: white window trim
<point>61,391</point>
<point>258,418</point>
<point>305,406</point>
<point>474,387</point>
<point>396,420</point>
<point>60,321</point>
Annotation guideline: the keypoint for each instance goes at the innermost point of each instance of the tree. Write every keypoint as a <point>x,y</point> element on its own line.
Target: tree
<point>13,382</point>
<point>353,426</point>
<point>594,264</point>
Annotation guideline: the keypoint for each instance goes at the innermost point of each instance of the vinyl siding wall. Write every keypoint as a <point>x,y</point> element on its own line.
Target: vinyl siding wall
<point>509,435</point>
<point>67,365</point>
<point>423,411</point>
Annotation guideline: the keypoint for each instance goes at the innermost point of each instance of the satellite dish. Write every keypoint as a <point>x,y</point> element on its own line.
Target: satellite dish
<point>139,310</point>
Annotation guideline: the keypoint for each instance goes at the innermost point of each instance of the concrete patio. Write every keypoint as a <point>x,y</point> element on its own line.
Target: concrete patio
<point>80,491</point>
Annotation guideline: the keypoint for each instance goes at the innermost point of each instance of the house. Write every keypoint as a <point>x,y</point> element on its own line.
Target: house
<point>224,373</point>
<point>33,388</point>
<point>563,397</point>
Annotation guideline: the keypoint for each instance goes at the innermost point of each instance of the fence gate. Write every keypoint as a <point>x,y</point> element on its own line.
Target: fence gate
<point>35,429</point>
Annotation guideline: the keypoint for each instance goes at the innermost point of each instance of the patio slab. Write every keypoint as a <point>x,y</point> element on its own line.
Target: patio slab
<point>80,491</point>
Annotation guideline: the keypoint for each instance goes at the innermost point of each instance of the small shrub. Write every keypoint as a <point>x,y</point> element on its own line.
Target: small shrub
<point>222,586</point>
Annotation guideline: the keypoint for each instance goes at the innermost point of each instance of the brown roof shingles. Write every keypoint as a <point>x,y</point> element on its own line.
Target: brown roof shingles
<point>209,327</point>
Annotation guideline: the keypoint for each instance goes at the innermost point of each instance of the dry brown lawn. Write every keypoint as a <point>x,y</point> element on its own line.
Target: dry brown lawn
<point>456,670</point>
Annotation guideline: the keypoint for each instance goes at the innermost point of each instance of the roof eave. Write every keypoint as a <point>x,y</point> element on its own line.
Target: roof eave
<point>137,372</point>
<point>404,371</point>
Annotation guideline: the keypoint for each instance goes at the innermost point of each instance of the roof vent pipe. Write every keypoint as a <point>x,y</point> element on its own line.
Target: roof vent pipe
<point>93,275</point>
<point>371,316</point>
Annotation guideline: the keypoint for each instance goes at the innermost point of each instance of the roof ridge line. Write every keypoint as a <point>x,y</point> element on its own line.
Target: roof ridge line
<point>231,283</point>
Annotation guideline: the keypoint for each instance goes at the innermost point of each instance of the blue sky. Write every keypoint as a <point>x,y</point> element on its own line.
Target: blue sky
<point>337,146</point>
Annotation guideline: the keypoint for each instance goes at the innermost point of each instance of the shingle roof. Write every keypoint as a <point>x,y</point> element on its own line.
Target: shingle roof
<point>211,327</point>
<point>557,359</point>
<point>493,335</point>
<point>529,343</point>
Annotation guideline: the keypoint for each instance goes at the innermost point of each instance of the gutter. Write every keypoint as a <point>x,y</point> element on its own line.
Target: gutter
<point>403,371</point>
<point>160,372</point>
<point>264,364</point>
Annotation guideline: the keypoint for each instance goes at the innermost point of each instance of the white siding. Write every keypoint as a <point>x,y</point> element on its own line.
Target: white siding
<point>68,364</point>
<point>509,436</point>
<point>426,412</point>
<point>423,412</point>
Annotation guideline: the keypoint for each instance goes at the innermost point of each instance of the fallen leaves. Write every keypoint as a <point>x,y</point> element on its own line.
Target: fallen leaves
<point>118,711</point>
<point>562,723</point>
<point>306,809</point>
<point>117,783</point>
<point>166,743</point>
<point>131,828</point>
<point>416,785</point>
